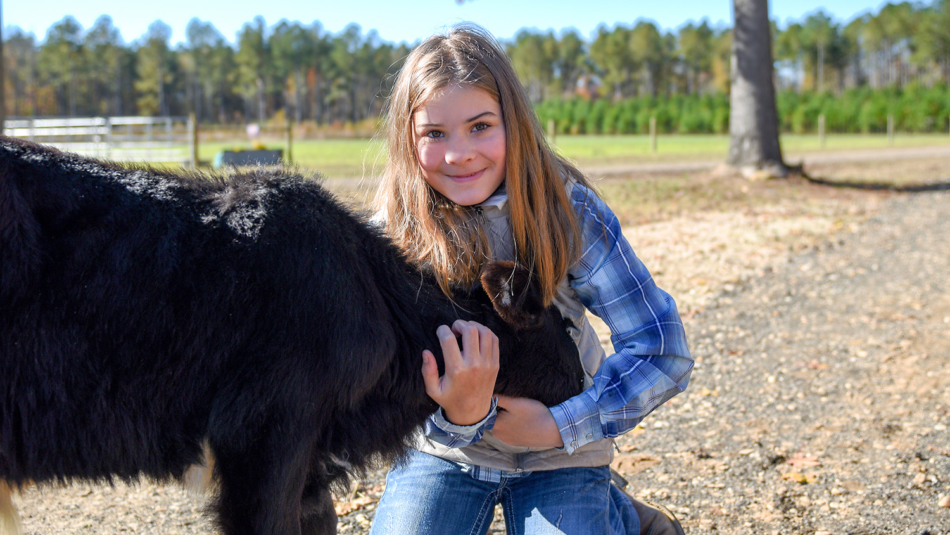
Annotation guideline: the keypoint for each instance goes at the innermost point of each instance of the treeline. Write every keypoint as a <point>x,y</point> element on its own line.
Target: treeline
<point>609,83</point>
<point>903,44</point>
<point>301,72</point>
<point>914,108</point>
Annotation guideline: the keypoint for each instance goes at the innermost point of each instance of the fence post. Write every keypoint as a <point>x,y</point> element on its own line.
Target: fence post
<point>149,138</point>
<point>102,125</point>
<point>168,132</point>
<point>193,140</point>
<point>289,157</point>
<point>109,138</point>
<point>821,130</point>
<point>552,130</point>
<point>652,134</point>
<point>890,129</point>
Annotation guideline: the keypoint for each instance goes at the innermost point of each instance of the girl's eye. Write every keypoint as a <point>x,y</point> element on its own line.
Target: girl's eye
<point>434,134</point>
<point>480,126</point>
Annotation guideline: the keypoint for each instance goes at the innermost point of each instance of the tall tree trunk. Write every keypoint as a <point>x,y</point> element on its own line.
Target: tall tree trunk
<point>260,102</point>
<point>298,104</point>
<point>117,105</point>
<point>753,120</point>
<point>161,90</point>
<point>34,101</point>
<point>71,92</point>
<point>198,96</point>
<point>3,106</point>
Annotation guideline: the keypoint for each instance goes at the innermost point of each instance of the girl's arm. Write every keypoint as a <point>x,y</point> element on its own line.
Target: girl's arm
<point>652,361</point>
<point>465,392</point>
<point>439,429</point>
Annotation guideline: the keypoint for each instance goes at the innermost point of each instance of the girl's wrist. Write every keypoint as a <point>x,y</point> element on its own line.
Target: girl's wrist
<point>467,417</point>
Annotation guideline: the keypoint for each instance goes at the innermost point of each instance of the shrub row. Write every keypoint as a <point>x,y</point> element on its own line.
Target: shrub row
<point>862,110</point>
<point>677,114</point>
<point>865,110</point>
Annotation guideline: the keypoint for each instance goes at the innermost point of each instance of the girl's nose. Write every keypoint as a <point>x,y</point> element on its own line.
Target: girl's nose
<point>460,150</point>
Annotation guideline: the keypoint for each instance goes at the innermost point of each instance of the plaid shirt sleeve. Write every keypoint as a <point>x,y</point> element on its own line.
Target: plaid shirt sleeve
<point>651,362</point>
<point>439,429</point>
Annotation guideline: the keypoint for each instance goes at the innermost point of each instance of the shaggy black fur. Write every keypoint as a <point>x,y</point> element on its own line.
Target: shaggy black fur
<point>143,312</point>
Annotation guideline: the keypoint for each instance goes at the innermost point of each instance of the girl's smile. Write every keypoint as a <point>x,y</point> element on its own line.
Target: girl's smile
<point>465,178</point>
<point>460,143</point>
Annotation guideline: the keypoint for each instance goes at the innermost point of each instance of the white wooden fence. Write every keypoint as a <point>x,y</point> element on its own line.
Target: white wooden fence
<point>139,139</point>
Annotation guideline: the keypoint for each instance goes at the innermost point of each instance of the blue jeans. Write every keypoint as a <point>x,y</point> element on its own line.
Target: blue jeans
<point>426,495</point>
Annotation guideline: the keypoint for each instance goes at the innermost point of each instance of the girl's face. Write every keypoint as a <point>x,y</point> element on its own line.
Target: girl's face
<point>459,139</point>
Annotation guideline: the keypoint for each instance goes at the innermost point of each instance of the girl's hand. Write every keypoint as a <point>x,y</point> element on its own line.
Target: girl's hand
<point>526,422</point>
<point>465,391</point>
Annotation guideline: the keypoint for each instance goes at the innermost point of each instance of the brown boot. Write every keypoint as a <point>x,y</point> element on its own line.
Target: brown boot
<point>656,519</point>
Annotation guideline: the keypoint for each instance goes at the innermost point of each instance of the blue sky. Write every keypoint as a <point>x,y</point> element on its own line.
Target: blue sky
<point>402,20</point>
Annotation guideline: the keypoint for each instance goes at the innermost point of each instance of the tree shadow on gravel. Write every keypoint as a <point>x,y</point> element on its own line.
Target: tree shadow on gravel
<point>874,186</point>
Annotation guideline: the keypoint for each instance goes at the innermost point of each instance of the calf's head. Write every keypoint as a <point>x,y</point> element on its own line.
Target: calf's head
<point>539,359</point>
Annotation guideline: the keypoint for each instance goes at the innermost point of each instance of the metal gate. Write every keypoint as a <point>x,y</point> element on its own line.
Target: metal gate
<point>123,139</point>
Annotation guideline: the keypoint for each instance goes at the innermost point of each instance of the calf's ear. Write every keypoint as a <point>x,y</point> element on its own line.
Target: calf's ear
<point>514,293</point>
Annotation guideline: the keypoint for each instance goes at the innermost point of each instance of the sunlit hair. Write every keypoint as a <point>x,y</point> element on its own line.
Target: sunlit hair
<point>433,230</point>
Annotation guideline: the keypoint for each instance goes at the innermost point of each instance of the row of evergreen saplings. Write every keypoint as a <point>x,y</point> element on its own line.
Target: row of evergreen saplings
<point>860,110</point>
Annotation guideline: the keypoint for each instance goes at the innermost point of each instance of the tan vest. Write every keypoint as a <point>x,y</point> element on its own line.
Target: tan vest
<point>491,452</point>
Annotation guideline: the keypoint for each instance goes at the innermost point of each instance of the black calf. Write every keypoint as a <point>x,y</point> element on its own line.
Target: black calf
<point>142,312</point>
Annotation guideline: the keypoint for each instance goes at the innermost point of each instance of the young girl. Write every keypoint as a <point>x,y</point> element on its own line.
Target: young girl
<point>470,178</point>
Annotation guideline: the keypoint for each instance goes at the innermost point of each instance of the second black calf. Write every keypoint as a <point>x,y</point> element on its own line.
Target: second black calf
<point>143,312</point>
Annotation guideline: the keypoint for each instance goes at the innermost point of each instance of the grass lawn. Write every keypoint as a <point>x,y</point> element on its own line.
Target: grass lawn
<point>591,151</point>
<point>335,158</point>
<point>354,158</point>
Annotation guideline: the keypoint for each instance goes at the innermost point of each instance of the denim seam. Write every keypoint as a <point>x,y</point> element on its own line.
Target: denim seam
<point>487,508</point>
<point>508,506</point>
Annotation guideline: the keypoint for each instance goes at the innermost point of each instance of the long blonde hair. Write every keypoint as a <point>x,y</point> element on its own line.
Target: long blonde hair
<point>445,236</point>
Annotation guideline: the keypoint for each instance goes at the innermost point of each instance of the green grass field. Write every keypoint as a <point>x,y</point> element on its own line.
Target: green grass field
<point>334,158</point>
<point>355,158</point>
<point>600,150</point>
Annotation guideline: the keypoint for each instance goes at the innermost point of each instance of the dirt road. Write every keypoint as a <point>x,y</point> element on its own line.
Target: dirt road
<point>808,159</point>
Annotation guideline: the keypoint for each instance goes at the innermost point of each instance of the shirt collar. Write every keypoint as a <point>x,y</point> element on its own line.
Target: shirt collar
<point>496,200</point>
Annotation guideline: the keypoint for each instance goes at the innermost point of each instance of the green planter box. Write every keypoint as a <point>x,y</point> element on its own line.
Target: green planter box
<point>238,158</point>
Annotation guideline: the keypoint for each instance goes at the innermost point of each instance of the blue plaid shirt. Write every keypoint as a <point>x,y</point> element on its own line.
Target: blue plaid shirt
<point>651,362</point>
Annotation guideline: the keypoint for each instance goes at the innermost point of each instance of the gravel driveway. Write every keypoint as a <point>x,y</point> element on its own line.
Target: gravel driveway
<point>819,403</point>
